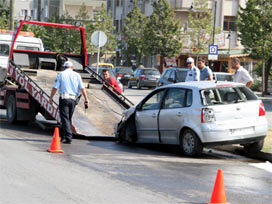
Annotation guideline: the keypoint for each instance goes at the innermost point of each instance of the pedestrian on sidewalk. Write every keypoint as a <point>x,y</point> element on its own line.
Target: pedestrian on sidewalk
<point>193,73</point>
<point>241,74</point>
<point>205,71</point>
<point>69,83</point>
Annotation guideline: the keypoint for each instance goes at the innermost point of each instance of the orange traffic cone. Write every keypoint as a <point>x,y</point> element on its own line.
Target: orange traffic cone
<point>219,195</point>
<point>55,145</point>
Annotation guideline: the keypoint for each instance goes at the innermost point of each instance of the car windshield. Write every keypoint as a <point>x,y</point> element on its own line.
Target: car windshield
<point>151,72</point>
<point>124,70</point>
<point>4,50</point>
<point>224,77</point>
<point>226,95</point>
<point>181,75</point>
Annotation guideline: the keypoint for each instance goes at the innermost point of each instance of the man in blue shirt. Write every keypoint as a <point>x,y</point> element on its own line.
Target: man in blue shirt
<point>69,84</point>
<point>205,72</point>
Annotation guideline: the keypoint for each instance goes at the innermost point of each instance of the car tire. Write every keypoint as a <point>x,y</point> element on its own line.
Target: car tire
<point>190,143</point>
<point>129,85</point>
<point>254,147</point>
<point>138,85</point>
<point>11,109</point>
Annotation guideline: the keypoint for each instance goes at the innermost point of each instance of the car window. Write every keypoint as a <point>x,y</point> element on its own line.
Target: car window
<point>4,50</point>
<point>224,77</point>
<point>151,72</point>
<point>124,70</point>
<point>175,98</point>
<point>226,95</point>
<point>181,75</point>
<point>167,74</point>
<point>154,101</point>
<point>173,75</point>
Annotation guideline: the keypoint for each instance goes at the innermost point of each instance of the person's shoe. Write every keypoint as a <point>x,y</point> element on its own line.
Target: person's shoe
<point>65,141</point>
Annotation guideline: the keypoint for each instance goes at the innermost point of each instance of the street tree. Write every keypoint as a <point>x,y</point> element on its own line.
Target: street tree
<point>104,22</point>
<point>135,25</point>
<point>163,32</point>
<point>4,14</point>
<point>200,29</point>
<point>255,32</point>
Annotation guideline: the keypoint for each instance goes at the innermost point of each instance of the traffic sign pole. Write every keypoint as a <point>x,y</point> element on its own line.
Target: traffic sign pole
<point>98,52</point>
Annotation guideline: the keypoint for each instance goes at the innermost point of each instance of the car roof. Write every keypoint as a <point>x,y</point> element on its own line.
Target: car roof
<point>204,84</point>
<point>177,68</point>
<point>223,73</point>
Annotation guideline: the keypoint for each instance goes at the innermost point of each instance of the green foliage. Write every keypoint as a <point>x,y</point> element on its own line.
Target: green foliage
<point>4,14</point>
<point>163,31</point>
<point>133,33</point>
<point>200,26</point>
<point>255,31</point>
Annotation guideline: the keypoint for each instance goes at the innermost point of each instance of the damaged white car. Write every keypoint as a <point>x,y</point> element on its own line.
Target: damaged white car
<point>196,114</point>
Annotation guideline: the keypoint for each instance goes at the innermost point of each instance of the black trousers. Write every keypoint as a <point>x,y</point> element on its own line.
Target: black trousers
<point>66,110</point>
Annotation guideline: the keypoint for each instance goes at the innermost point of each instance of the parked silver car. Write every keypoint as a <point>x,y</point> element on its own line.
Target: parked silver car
<point>196,114</point>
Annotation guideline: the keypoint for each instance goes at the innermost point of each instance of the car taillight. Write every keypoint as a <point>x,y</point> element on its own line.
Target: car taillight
<point>119,75</point>
<point>207,115</point>
<point>142,77</point>
<point>261,109</point>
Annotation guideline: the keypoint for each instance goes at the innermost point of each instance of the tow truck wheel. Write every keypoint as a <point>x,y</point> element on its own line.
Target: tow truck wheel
<point>11,109</point>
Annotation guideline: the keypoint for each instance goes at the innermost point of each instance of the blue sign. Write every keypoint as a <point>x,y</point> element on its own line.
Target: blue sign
<point>213,50</point>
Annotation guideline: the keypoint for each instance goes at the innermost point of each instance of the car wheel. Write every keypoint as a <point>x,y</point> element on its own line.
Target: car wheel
<point>129,85</point>
<point>11,109</point>
<point>138,85</point>
<point>254,147</point>
<point>190,143</point>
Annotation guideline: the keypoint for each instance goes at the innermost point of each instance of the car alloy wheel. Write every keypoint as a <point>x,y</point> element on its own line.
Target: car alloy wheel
<point>190,143</point>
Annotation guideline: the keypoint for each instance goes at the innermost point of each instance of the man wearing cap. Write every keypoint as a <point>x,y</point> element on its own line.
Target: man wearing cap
<point>69,84</point>
<point>193,73</point>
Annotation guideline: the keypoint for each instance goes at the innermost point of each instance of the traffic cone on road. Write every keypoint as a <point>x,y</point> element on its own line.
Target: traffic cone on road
<point>55,145</point>
<point>219,195</point>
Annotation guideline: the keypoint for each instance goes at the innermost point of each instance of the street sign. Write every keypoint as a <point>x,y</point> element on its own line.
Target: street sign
<point>213,52</point>
<point>99,38</point>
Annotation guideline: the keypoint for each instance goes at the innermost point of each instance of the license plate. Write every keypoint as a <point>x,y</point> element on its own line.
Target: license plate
<point>242,131</point>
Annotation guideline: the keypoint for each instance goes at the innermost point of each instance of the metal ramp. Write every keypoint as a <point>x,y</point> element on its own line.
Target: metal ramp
<point>119,98</point>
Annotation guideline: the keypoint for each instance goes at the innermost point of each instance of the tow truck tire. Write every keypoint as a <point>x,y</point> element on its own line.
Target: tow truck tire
<point>254,147</point>
<point>190,143</point>
<point>11,109</point>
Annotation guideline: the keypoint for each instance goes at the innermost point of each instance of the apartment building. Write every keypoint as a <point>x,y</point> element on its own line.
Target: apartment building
<point>225,14</point>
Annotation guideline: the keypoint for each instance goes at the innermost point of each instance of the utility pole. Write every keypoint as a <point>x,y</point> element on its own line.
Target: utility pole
<point>11,12</point>
<point>39,10</point>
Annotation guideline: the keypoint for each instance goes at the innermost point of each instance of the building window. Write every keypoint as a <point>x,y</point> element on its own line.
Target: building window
<point>32,13</point>
<point>229,23</point>
<point>23,12</point>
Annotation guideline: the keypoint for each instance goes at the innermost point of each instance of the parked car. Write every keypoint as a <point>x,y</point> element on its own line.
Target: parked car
<point>197,114</point>
<point>100,69</point>
<point>104,65</point>
<point>222,76</point>
<point>123,74</point>
<point>144,77</point>
<point>172,75</point>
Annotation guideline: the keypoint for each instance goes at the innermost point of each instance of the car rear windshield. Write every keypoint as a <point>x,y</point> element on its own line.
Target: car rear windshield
<point>181,75</point>
<point>226,95</point>
<point>151,72</point>
<point>124,70</point>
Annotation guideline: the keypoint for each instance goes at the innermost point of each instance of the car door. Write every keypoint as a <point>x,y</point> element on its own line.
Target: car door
<point>146,117</point>
<point>175,109</point>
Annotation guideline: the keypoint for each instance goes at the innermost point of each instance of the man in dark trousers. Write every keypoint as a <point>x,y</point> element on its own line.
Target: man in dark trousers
<point>69,83</point>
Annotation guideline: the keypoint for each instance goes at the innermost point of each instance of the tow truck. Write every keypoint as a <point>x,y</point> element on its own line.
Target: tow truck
<point>30,75</point>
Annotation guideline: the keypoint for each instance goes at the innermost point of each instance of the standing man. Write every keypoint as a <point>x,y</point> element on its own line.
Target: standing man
<point>241,74</point>
<point>69,84</point>
<point>111,80</point>
<point>193,73</point>
<point>205,72</point>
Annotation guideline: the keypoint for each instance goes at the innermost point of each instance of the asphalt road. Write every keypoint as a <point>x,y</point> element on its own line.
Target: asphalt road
<point>92,171</point>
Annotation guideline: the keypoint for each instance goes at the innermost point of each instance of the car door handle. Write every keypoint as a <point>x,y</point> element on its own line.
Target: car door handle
<point>179,114</point>
<point>154,115</point>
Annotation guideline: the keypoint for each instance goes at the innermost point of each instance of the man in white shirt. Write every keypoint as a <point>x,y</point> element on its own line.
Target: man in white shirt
<point>193,74</point>
<point>241,74</point>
